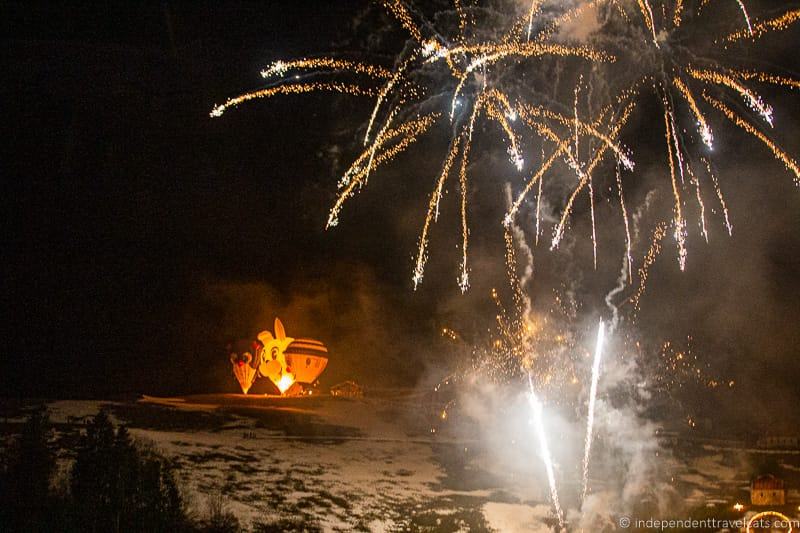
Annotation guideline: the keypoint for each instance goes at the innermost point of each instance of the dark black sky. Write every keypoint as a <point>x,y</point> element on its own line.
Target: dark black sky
<point>124,201</point>
<point>139,234</point>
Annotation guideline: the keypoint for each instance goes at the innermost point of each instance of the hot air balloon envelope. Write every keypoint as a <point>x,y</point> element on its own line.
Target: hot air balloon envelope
<point>307,358</point>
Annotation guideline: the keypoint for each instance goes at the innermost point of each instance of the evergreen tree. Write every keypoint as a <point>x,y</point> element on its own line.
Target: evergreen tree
<point>116,487</point>
<point>93,476</point>
<point>25,497</point>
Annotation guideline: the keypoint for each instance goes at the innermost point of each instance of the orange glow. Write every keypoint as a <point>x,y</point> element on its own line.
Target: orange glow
<point>738,507</point>
<point>286,381</point>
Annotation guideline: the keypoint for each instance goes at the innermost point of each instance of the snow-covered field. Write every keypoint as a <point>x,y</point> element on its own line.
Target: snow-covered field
<point>337,463</point>
<point>366,464</point>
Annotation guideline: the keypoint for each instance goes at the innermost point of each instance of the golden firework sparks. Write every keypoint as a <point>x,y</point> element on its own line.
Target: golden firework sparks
<point>647,14</point>
<point>779,154</point>
<point>718,191</point>
<point>280,68</point>
<point>700,204</point>
<point>433,213</point>
<point>299,88</point>
<point>779,23</point>
<point>705,130</point>
<point>463,278</point>
<point>746,17</point>
<point>753,100</point>
<point>385,91</point>
<point>680,224</point>
<point>765,77</point>
<point>558,233</point>
<point>396,8</point>
<point>652,254</point>
<point>676,16</point>
<point>415,128</point>
<point>475,72</point>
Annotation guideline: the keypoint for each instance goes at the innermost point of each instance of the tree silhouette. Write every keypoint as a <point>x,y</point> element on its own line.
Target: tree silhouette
<point>117,487</point>
<point>26,503</point>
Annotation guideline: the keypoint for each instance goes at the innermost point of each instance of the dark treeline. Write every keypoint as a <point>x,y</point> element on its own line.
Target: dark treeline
<point>113,485</point>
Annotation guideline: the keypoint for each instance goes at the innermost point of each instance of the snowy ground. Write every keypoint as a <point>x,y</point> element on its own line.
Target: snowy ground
<point>369,464</point>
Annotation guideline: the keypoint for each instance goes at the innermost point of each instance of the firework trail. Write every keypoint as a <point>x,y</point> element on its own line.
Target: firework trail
<point>776,24</point>
<point>700,203</point>
<point>299,88</point>
<point>720,197</point>
<point>544,449</point>
<point>623,209</point>
<point>558,232</point>
<point>680,224</point>
<point>433,213</point>
<point>705,130</point>
<point>355,177</point>
<point>518,283</point>
<point>752,99</point>
<point>652,254</point>
<point>647,13</point>
<point>587,448</point>
<point>625,274</point>
<point>535,6</point>
<point>746,17</point>
<point>280,68</point>
<point>779,154</point>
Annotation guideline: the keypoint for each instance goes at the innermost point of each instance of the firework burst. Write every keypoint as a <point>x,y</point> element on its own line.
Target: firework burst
<point>692,69</point>
<point>454,77</point>
<point>690,77</point>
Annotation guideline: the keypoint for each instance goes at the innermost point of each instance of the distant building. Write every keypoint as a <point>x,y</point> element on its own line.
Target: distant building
<point>767,490</point>
<point>779,441</point>
<point>347,389</point>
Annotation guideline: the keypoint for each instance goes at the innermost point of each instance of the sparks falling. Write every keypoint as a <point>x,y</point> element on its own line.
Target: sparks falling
<point>456,77</point>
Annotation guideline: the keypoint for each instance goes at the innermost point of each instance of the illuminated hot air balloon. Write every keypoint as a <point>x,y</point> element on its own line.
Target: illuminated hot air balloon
<point>307,358</point>
<point>288,362</point>
<point>244,370</point>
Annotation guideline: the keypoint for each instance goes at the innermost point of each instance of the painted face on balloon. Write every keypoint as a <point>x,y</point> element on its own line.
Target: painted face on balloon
<point>272,363</point>
<point>243,369</point>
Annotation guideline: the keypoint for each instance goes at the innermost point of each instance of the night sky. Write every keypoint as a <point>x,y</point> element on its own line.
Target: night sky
<point>140,235</point>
